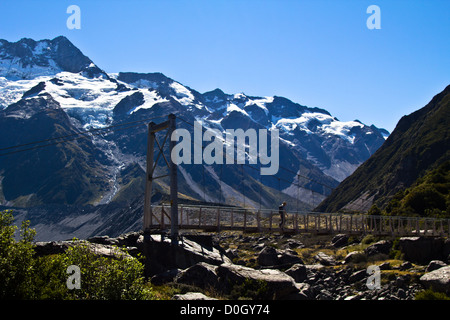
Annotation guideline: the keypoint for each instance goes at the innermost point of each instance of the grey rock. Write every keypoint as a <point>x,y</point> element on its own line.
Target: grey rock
<point>268,257</point>
<point>438,280</point>
<point>161,255</point>
<point>287,258</point>
<point>165,277</point>
<point>324,295</point>
<point>434,265</point>
<point>304,292</point>
<point>58,247</point>
<point>191,296</point>
<point>232,253</point>
<point>103,240</point>
<point>380,247</point>
<point>279,284</point>
<point>357,276</point>
<point>355,257</point>
<point>52,247</point>
<point>128,239</point>
<point>385,266</point>
<point>297,272</point>
<point>405,266</point>
<point>202,275</point>
<point>324,259</point>
<point>108,251</point>
<point>339,240</point>
<point>294,244</point>
<point>422,249</point>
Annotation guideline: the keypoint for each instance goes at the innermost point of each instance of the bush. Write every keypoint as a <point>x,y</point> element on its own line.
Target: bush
<point>106,279</point>
<point>16,258</point>
<point>431,295</point>
<point>423,198</point>
<point>23,276</point>
<point>250,289</point>
<point>369,239</point>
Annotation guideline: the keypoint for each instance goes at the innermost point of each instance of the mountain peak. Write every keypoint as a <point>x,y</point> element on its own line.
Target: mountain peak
<point>29,59</point>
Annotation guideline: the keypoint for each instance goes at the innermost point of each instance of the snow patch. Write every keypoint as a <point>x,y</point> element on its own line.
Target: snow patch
<point>183,95</point>
<point>327,125</point>
<point>232,107</point>
<point>260,103</point>
<point>151,98</point>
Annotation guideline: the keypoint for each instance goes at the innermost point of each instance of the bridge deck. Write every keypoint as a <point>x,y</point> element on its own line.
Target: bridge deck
<point>253,220</point>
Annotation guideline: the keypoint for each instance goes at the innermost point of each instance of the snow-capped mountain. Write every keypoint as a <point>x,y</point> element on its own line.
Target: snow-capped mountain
<point>49,89</point>
<point>28,59</point>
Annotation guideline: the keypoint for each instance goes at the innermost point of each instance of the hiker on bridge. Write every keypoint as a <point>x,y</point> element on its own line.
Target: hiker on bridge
<point>282,212</point>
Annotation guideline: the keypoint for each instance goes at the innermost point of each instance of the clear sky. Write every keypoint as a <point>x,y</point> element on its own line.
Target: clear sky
<point>315,52</point>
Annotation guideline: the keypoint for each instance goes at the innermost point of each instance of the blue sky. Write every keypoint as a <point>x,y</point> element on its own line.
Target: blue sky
<point>317,53</point>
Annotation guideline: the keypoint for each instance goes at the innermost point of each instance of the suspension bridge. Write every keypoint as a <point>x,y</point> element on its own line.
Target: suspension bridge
<point>248,219</point>
<point>217,218</point>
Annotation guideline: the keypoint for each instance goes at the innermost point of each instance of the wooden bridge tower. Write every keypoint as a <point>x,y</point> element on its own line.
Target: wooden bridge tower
<point>170,126</point>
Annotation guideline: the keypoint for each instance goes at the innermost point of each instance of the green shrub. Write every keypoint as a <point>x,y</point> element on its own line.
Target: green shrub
<point>429,294</point>
<point>23,276</point>
<point>250,289</point>
<point>16,258</point>
<point>104,278</point>
<point>369,239</point>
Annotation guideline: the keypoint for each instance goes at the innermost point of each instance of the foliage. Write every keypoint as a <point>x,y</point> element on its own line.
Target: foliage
<point>429,196</point>
<point>16,258</point>
<point>374,211</point>
<point>370,238</point>
<point>104,278</point>
<point>24,276</point>
<point>419,143</point>
<point>429,294</point>
<point>250,289</point>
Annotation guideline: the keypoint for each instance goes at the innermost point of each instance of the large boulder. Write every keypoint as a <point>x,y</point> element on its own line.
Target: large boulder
<point>380,247</point>
<point>297,272</point>
<point>267,257</point>
<point>305,292</point>
<point>339,240</point>
<point>161,255</point>
<point>438,280</point>
<point>357,276</point>
<point>446,250</point>
<point>165,277</point>
<point>202,275</point>
<point>288,258</point>
<point>191,296</point>
<point>355,257</point>
<point>59,247</point>
<point>279,285</point>
<point>324,259</point>
<point>422,250</point>
<point>270,257</point>
<point>434,265</point>
<point>52,247</point>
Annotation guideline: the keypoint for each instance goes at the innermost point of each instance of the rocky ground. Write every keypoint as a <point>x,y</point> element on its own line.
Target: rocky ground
<point>233,265</point>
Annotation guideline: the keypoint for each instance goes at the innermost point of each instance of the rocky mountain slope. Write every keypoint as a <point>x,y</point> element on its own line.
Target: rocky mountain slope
<point>419,143</point>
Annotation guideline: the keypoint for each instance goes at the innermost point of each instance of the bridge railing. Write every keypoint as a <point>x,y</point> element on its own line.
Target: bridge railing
<point>266,220</point>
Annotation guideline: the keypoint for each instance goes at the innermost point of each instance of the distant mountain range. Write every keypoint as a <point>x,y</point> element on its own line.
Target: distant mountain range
<point>50,89</point>
<point>419,144</point>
